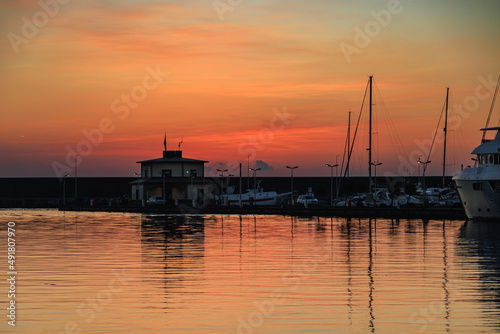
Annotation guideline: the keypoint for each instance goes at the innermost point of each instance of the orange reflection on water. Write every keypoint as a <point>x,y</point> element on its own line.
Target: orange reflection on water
<point>252,274</point>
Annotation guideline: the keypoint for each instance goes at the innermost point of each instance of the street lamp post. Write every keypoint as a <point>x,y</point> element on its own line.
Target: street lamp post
<point>291,177</point>
<point>337,176</point>
<point>191,177</point>
<point>248,172</point>
<point>376,164</point>
<point>228,180</point>
<point>222,171</point>
<point>418,167</point>
<point>331,180</point>
<point>240,203</point>
<point>423,177</point>
<point>64,189</point>
<point>76,175</point>
<point>254,183</point>
<point>139,175</point>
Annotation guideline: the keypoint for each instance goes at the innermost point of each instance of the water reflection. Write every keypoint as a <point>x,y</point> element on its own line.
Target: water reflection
<point>370,266</point>
<point>479,255</point>
<point>172,253</point>
<point>257,274</point>
<point>445,278</point>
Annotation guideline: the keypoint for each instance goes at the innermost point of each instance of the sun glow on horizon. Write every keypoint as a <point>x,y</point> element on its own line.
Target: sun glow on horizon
<point>220,83</point>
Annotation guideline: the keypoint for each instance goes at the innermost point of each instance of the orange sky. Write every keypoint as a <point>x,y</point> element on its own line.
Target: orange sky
<point>63,68</point>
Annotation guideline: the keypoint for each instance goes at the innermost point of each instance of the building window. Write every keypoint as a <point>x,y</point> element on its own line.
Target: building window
<point>146,173</point>
<point>166,172</point>
<point>193,173</point>
<point>477,186</point>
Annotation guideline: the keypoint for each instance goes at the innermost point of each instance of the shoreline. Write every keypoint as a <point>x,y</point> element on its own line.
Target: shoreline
<point>321,211</point>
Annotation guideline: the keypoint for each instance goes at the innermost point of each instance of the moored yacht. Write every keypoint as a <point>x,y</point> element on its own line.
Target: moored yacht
<point>479,186</point>
<point>255,196</point>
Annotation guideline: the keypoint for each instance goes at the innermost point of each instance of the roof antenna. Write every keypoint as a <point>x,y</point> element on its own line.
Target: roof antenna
<point>182,140</point>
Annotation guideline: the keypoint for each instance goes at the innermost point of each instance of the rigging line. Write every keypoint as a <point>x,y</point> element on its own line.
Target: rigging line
<point>343,159</point>
<point>461,143</point>
<point>376,120</point>
<point>376,132</point>
<point>392,138</point>
<point>460,139</point>
<point>491,108</point>
<point>344,154</point>
<point>435,134</point>
<point>393,134</point>
<point>385,115</point>
<point>357,126</point>
<point>398,143</point>
<point>493,104</point>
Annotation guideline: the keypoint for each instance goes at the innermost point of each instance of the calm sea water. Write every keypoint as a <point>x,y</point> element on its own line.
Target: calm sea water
<point>131,273</point>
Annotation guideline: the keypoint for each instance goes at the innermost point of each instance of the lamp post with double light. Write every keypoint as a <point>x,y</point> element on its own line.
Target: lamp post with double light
<point>222,171</point>
<point>64,189</point>
<point>331,180</point>
<point>376,164</point>
<point>76,176</point>
<point>425,163</point>
<point>248,172</point>
<point>291,181</point>
<point>418,169</point>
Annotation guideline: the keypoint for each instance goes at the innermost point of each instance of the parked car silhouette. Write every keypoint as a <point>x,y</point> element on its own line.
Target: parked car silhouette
<point>156,200</point>
<point>307,199</point>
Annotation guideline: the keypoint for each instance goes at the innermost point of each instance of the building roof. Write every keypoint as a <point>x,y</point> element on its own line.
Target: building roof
<point>175,159</point>
<point>172,156</point>
<point>173,180</point>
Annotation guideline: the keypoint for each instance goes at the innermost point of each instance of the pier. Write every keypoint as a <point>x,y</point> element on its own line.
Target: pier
<point>300,211</point>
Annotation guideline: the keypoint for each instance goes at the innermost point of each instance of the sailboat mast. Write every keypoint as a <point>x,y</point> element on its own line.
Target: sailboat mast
<point>348,139</point>
<point>445,135</point>
<point>491,110</point>
<point>370,142</point>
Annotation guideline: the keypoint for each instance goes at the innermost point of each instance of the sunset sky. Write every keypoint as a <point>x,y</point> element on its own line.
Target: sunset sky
<point>274,79</point>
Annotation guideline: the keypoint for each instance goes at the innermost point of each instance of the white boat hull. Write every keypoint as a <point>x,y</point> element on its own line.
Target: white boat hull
<point>478,192</point>
<point>255,198</point>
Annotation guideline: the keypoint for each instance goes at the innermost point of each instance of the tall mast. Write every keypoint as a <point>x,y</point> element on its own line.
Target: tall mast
<point>491,110</point>
<point>370,142</point>
<point>445,134</point>
<point>348,139</point>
